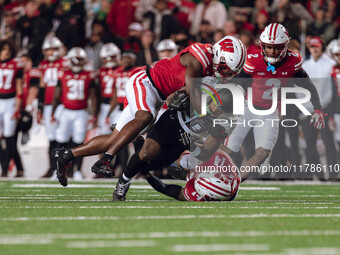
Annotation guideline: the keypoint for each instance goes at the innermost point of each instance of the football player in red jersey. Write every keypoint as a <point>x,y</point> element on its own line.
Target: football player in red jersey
<point>75,86</point>
<point>11,93</point>
<point>49,67</point>
<point>334,121</point>
<point>220,184</point>
<point>270,68</point>
<point>147,89</point>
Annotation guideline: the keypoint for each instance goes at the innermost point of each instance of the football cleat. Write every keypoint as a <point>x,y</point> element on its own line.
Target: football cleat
<point>59,166</point>
<point>120,192</point>
<point>102,167</point>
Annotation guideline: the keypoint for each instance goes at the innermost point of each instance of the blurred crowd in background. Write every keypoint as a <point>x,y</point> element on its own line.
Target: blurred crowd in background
<point>137,26</point>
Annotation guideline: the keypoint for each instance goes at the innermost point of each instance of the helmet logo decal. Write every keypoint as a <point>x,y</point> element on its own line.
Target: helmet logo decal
<point>227,45</point>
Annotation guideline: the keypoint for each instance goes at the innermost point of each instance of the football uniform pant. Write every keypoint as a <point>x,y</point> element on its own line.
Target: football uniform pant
<point>265,129</point>
<point>7,123</point>
<point>104,128</point>
<point>140,95</point>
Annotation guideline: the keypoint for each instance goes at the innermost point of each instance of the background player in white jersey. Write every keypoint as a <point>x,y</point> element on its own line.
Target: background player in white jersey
<point>11,93</point>
<point>270,68</point>
<point>53,62</point>
<point>110,58</point>
<point>75,86</point>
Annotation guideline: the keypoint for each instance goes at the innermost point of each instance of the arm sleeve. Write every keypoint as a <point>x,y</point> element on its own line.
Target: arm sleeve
<point>302,79</point>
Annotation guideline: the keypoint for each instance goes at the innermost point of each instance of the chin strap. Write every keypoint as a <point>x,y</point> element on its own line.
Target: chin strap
<point>270,68</point>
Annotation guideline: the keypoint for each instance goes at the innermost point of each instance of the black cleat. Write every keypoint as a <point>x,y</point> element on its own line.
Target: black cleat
<point>102,167</point>
<point>120,192</point>
<point>59,166</point>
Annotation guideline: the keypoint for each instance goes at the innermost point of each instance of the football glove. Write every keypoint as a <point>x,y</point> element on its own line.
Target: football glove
<point>180,101</point>
<point>318,119</point>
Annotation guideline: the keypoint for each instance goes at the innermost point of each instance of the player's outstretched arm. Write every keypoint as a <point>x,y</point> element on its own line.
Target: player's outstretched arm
<point>170,190</point>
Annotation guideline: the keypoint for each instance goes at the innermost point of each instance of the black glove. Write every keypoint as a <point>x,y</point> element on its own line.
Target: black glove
<point>185,139</point>
<point>180,101</point>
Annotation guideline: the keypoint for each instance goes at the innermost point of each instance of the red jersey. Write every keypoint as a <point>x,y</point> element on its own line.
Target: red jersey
<point>264,81</point>
<point>335,73</point>
<point>75,88</point>
<point>121,78</point>
<point>29,75</point>
<point>219,158</point>
<point>168,74</point>
<point>9,72</point>
<point>106,80</point>
<point>50,71</point>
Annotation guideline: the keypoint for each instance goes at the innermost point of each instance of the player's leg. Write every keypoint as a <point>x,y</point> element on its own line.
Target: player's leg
<point>63,136</point>
<point>139,162</point>
<point>144,103</point>
<point>9,128</point>
<point>265,138</point>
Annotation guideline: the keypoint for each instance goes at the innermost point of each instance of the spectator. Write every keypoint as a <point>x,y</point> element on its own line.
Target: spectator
<point>260,6</point>
<point>247,38</point>
<point>229,28</point>
<point>261,21</point>
<point>148,54</point>
<point>32,29</point>
<point>241,21</point>
<point>92,49</point>
<point>321,27</point>
<point>218,35</point>
<point>182,39</point>
<point>211,10</point>
<point>133,42</point>
<point>120,16</point>
<point>101,28</point>
<point>205,34</point>
<point>319,67</point>
<point>184,11</point>
<point>161,21</point>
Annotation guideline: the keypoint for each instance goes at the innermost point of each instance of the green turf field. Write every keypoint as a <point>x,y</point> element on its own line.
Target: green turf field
<point>45,218</point>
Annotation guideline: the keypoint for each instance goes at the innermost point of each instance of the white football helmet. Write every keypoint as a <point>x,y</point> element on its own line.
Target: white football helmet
<point>274,35</point>
<point>110,55</point>
<point>217,185</point>
<point>335,51</point>
<point>167,49</point>
<point>229,56</point>
<point>54,43</point>
<point>78,59</point>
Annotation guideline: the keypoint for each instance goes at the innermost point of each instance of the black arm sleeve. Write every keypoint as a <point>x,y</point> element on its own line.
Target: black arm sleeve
<point>170,190</point>
<point>20,74</point>
<point>302,80</point>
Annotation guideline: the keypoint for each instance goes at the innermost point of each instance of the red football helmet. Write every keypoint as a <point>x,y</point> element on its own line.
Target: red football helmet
<point>276,36</point>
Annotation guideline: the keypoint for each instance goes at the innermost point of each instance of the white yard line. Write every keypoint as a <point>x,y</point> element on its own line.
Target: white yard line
<point>170,217</point>
<point>170,207</point>
<point>51,237</point>
<point>219,247</point>
<point>38,185</point>
<point>106,244</point>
